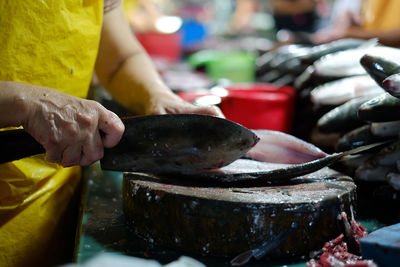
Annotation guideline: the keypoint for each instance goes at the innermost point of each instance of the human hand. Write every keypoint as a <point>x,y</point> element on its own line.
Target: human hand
<point>69,127</point>
<point>169,103</point>
<point>347,25</point>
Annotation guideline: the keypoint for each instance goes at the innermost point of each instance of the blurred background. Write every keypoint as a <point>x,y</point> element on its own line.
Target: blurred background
<point>285,65</point>
<point>325,71</point>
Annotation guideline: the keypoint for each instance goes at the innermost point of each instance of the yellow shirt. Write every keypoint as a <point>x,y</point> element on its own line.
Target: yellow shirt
<point>51,43</point>
<point>381,14</point>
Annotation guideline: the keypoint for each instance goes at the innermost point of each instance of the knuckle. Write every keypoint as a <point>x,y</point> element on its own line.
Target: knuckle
<point>68,162</point>
<point>86,120</point>
<point>52,138</point>
<point>91,157</point>
<point>72,130</point>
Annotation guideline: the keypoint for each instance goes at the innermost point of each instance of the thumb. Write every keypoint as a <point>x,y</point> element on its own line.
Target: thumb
<point>112,127</point>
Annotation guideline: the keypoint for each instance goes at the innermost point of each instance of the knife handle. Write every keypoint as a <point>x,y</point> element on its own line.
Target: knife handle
<point>17,144</point>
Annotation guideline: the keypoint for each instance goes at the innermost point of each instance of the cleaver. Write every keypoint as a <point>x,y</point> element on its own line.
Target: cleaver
<point>158,144</point>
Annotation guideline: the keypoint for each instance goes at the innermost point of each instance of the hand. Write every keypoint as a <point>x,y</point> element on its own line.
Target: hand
<point>69,127</point>
<point>347,25</point>
<point>167,102</point>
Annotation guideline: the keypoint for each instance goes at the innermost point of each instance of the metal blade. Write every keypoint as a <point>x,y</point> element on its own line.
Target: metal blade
<point>178,143</point>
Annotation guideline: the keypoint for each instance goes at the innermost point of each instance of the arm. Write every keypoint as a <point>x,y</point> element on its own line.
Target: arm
<point>67,126</point>
<point>127,72</point>
<point>388,38</point>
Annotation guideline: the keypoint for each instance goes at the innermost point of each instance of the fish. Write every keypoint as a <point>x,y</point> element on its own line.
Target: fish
<point>294,59</point>
<point>340,91</point>
<point>271,60</point>
<point>379,68</point>
<point>388,155</point>
<point>347,63</point>
<point>393,179</point>
<point>386,129</point>
<point>343,64</point>
<point>304,79</point>
<point>352,162</point>
<point>270,76</point>
<point>377,167</point>
<point>279,147</point>
<point>382,108</point>
<point>368,172</point>
<point>392,85</point>
<point>286,79</point>
<point>300,61</point>
<point>175,143</point>
<point>292,66</point>
<point>360,136</point>
<point>342,118</point>
<point>319,51</point>
<point>246,172</point>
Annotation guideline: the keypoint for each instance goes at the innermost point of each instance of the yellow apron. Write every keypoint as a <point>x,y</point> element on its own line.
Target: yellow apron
<point>53,44</point>
<point>381,14</point>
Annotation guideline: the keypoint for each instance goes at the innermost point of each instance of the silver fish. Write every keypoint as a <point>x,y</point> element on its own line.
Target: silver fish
<point>380,109</point>
<point>257,176</point>
<point>386,129</point>
<point>342,118</point>
<point>279,147</point>
<point>342,90</point>
<point>393,179</point>
<point>358,137</point>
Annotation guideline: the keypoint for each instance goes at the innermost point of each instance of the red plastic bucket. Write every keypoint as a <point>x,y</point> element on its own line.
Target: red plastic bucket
<point>162,45</point>
<point>256,106</point>
<point>260,106</point>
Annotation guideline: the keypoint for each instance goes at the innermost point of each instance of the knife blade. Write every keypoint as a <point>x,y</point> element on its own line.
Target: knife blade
<point>172,143</point>
<point>178,143</point>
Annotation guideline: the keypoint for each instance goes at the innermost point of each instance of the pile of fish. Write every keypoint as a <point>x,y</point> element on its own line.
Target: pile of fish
<point>347,96</point>
<point>368,117</point>
<point>283,65</point>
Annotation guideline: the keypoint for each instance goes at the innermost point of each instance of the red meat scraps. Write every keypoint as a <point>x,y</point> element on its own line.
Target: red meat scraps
<point>335,253</point>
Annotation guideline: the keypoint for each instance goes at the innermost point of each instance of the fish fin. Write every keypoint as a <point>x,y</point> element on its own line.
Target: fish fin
<point>369,43</point>
<point>365,148</point>
<point>242,258</point>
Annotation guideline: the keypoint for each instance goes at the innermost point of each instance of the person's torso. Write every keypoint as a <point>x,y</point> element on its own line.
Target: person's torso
<point>50,43</point>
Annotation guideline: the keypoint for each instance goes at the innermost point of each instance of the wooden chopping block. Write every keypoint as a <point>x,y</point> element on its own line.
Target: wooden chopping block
<point>278,221</point>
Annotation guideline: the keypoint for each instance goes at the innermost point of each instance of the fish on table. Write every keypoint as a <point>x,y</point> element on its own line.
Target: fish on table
<point>382,108</point>
<point>343,118</point>
<point>378,67</point>
<point>340,91</point>
<point>277,158</point>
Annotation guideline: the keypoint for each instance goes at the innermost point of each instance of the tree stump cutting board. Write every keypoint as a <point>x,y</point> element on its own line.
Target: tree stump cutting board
<point>275,221</point>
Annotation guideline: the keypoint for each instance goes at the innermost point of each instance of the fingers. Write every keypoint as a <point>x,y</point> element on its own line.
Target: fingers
<point>206,110</point>
<point>54,155</point>
<point>79,154</point>
<point>210,110</point>
<point>92,151</point>
<point>72,155</point>
<point>112,126</point>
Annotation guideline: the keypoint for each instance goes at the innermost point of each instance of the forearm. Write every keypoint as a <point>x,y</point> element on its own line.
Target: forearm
<point>389,38</point>
<point>128,73</point>
<point>124,67</point>
<point>13,104</point>
<point>134,87</point>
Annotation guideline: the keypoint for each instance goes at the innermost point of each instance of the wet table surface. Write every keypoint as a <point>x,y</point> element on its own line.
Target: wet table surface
<point>102,228</point>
